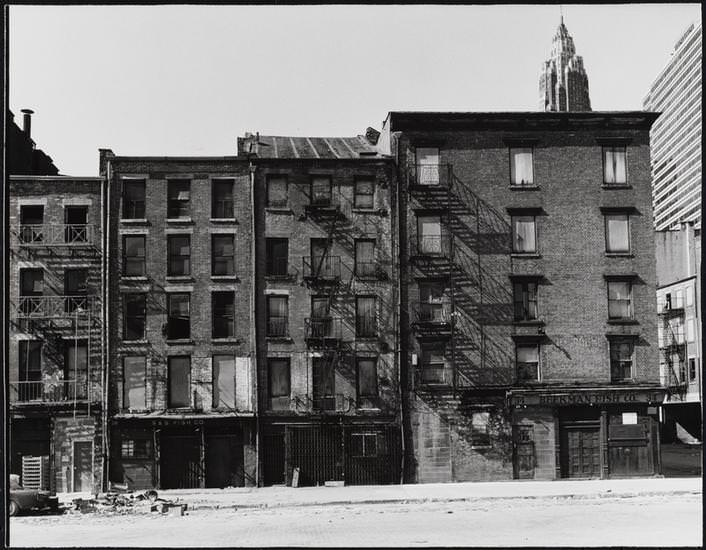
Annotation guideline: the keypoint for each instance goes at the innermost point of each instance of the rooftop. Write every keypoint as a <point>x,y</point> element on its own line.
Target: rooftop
<point>291,147</point>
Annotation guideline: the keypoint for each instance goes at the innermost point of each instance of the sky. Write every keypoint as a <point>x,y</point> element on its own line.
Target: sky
<point>188,80</point>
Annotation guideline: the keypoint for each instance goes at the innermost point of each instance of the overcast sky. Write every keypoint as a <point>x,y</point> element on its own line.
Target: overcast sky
<point>187,80</point>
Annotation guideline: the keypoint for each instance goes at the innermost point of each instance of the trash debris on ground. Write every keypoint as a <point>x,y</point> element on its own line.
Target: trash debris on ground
<point>120,500</point>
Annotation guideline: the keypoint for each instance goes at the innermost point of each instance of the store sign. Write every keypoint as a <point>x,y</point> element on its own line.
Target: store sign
<point>614,397</point>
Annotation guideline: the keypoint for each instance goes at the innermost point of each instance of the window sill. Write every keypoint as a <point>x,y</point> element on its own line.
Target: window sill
<point>133,278</point>
<point>488,446</point>
<point>529,323</point>
<point>279,210</point>
<point>619,255</point>
<point>179,279</point>
<point>224,220</point>
<point>186,221</point>
<point>283,339</point>
<point>525,255</point>
<point>624,382</point>
<point>359,210</point>
<point>180,341</point>
<point>225,278</point>
<point>281,278</point>
<point>233,341</point>
<point>141,342</point>
<point>517,187</point>
<point>134,221</point>
<point>616,186</point>
<point>367,338</point>
<point>623,322</point>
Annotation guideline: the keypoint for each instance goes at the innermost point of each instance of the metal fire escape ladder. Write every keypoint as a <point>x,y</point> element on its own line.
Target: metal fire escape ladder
<point>670,345</point>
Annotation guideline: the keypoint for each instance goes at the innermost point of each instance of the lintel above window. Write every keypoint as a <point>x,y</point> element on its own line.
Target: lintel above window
<point>526,276</point>
<point>519,141</point>
<point>619,210</point>
<point>621,276</point>
<point>525,210</point>
<point>613,140</point>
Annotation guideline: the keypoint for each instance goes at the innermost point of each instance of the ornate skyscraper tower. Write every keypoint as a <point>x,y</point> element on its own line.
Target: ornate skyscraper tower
<point>563,82</point>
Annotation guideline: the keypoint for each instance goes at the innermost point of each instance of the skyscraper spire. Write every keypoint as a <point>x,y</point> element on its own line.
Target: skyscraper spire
<point>563,82</point>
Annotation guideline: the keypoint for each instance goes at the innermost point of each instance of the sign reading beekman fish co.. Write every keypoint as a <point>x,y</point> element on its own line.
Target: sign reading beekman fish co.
<point>585,398</point>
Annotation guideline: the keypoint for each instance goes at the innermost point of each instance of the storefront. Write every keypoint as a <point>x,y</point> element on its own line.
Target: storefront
<point>585,432</point>
<point>183,453</point>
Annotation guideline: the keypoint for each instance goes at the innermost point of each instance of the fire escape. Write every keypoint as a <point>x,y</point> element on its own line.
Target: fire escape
<point>55,319</point>
<point>673,347</point>
<point>432,316</point>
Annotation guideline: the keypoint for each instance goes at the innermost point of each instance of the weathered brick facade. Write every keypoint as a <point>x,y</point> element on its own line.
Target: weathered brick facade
<point>568,200</point>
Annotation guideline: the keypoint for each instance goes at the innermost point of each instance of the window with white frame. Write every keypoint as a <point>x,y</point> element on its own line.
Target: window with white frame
<point>620,300</point>
<point>617,233</point>
<point>527,358</point>
<point>614,165</point>
<point>622,351</point>
<point>524,234</point>
<point>521,169</point>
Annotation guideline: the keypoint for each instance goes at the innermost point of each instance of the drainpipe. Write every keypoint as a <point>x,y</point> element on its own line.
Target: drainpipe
<point>106,322</point>
<point>253,331</point>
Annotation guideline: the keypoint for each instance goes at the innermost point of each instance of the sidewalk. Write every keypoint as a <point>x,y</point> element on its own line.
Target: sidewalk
<point>273,497</point>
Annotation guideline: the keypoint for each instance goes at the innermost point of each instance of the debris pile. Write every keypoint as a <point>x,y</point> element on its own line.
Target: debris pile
<point>122,501</point>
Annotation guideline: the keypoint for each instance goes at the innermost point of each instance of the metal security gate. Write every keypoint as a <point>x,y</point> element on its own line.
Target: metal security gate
<point>317,452</point>
<point>373,455</point>
<point>180,462</point>
<point>273,455</point>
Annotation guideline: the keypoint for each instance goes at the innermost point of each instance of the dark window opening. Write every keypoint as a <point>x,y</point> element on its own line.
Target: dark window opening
<point>75,290</point>
<point>279,377</point>
<point>434,369</point>
<point>179,320</point>
<point>31,221</point>
<point>133,200</point>
<point>367,378</point>
<point>133,256</point>
<point>134,316</point>
<point>277,316</point>
<point>365,264</point>
<point>324,382</point>
<point>223,255</point>
<point>30,357</point>
<point>75,219</point>
<point>179,252</point>
<point>178,198</point>
<point>179,373</point>
<point>365,320</point>
<point>222,199</point>
<point>277,257</point>
<point>525,300</point>
<point>223,307</point>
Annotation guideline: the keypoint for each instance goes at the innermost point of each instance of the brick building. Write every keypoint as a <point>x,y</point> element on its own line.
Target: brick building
<point>326,309</point>
<point>56,331</point>
<point>528,336</point>
<point>23,157</point>
<point>180,325</point>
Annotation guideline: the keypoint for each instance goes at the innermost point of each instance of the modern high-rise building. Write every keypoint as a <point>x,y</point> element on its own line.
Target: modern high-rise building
<point>676,136</point>
<point>563,82</point>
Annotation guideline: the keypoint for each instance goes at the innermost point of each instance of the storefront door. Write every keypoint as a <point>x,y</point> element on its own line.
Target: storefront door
<point>180,462</point>
<point>580,452</point>
<point>224,461</point>
<point>523,441</point>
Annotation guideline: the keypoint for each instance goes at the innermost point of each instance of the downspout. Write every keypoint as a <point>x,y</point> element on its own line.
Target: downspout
<point>396,221</point>
<point>106,323</point>
<point>253,331</point>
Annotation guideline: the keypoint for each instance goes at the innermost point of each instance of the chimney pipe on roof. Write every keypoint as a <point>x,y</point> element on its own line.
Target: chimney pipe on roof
<point>27,122</point>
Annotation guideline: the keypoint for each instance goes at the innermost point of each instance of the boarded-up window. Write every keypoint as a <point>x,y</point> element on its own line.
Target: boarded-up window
<point>367,378</point>
<point>134,394</point>
<point>279,377</point>
<point>223,381</point>
<point>321,190</point>
<point>365,322</point>
<point>364,193</point>
<point>31,282</point>
<point>179,381</point>
<point>480,436</point>
<point>277,191</point>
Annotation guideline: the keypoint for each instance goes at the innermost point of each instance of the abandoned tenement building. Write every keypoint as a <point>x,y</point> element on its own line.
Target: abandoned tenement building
<point>464,296</point>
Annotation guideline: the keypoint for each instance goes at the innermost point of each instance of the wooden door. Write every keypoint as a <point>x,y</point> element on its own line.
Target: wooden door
<point>523,444</point>
<point>580,452</point>
<point>83,466</point>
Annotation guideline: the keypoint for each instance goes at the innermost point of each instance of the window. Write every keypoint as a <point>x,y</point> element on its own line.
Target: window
<point>521,172</point>
<point>76,228</point>
<point>320,190</point>
<point>525,300</point>
<point>178,321</point>
<point>178,198</point>
<point>223,381</point>
<point>179,374</point>
<point>277,315</point>
<point>692,369</point>
<point>689,330</point>
<point>31,282</point>
<point>30,357</point>
<point>364,193</point>
<point>223,255</point>
<point>133,255</point>
<point>689,296</point>
<point>75,290</point>
<point>277,257</point>
<point>179,251</point>
<point>434,370</point>
<point>277,191</point>
<point>427,165</point>
<point>223,308</point>
<point>367,379</point>
<point>621,359</point>
<point>365,265</point>
<point>679,299</point>
<point>527,362</point>
<point>76,367</point>
<point>134,386</point>
<point>322,264</point>
<point>524,234</point>
<point>614,165</point>
<point>619,300</point>
<point>31,220</point>
<point>133,199</point>
<point>279,377</point>
<point>480,436</point>
<point>324,382</point>
<point>368,445</point>
<point>222,199</point>
<point>134,316</point>
<point>429,235</point>
<point>617,233</point>
<point>431,302</point>
<point>136,448</point>
<point>365,321</point>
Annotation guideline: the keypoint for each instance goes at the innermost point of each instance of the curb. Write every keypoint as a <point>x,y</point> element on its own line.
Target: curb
<point>412,500</point>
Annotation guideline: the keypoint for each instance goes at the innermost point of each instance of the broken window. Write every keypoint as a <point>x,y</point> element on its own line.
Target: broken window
<point>364,193</point>
<point>321,190</point>
<point>178,198</point>
<point>179,252</point>
<point>133,199</point>
<point>279,377</point>
<point>365,265</point>
<point>223,381</point>
<point>31,290</point>
<point>134,316</point>
<point>480,435</point>
<point>134,387</point>
<point>31,220</point>
<point>133,255</point>
<point>179,374</point>
<point>223,255</point>
<point>277,257</point>
<point>222,199</point>
<point>527,356</point>
<point>277,191</point>
<point>75,219</point>
<point>179,320</point>
<point>223,308</point>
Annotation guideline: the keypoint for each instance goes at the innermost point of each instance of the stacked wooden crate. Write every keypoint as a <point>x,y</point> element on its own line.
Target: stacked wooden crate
<point>35,472</point>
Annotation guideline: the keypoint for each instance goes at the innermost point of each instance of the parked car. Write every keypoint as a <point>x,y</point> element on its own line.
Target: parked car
<point>25,500</point>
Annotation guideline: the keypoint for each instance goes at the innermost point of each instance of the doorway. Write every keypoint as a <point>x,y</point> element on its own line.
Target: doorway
<point>180,462</point>
<point>82,467</point>
<point>523,445</point>
<point>580,451</point>
<point>224,461</point>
